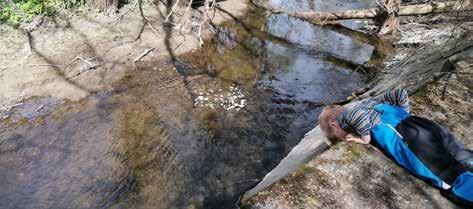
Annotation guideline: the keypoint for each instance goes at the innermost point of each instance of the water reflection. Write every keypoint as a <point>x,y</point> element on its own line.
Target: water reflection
<point>322,5</point>
<point>303,77</point>
<point>326,5</point>
<point>146,144</point>
<point>315,37</point>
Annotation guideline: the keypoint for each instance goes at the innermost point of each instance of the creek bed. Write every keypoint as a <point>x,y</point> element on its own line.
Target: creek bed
<point>194,132</point>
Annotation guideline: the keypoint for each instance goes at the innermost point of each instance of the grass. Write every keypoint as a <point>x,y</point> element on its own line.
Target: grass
<point>17,12</point>
<point>353,152</point>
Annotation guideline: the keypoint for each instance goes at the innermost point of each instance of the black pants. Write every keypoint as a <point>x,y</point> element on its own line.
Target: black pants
<point>436,147</point>
<point>439,150</point>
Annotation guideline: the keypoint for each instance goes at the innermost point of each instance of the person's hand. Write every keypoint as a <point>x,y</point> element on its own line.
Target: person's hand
<point>353,138</point>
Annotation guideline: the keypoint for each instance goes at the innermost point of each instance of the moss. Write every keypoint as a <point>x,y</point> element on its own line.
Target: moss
<point>312,172</point>
<point>191,206</point>
<point>284,181</point>
<point>311,201</point>
<point>353,152</point>
<point>211,122</point>
<point>422,92</point>
<point>142,145</point>
<point>304,170</point>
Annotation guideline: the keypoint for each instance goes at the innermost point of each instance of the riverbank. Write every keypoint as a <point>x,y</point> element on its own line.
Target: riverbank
<point>356,176</point>
<point>74,54</point>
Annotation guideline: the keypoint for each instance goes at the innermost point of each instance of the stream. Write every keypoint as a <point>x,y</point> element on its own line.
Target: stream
<point>196,132</point>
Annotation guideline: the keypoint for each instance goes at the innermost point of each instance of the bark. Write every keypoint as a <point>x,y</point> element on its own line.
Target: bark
<point>392,6</point>
<point>419,9</point>
<point>391,24</point>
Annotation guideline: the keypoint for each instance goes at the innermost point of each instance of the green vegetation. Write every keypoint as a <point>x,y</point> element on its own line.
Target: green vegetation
<point>15,12</point>
<point>353,152</point>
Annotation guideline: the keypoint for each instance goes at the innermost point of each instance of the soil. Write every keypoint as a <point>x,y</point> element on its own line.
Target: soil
<point>45,61</point>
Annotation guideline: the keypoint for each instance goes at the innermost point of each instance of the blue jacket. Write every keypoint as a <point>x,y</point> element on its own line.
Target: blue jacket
<point>425,149</point>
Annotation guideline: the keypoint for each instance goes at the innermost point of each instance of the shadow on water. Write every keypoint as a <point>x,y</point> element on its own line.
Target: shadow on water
<point>195,132</point>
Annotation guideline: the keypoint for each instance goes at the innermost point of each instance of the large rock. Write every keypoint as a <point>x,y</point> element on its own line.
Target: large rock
<point>350,176</point>
<point>357,176</point>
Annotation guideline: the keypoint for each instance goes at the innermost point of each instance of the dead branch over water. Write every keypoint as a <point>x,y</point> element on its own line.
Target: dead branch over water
<point>404,10</point>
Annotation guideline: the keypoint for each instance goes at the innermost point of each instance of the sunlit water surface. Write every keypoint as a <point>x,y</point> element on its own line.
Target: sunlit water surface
<point>193,135</point>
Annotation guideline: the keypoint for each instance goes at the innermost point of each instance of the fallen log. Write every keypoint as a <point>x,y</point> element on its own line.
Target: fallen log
<point>405,10</point>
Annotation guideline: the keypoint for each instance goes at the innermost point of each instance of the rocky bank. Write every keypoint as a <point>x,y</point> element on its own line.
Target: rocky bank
<point>438,76</point>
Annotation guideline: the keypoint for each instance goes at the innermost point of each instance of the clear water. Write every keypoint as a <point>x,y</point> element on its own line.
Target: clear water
<point>193,133</point>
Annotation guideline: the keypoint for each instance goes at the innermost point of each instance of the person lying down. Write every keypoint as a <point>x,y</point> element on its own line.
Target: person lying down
<point>421,146</point>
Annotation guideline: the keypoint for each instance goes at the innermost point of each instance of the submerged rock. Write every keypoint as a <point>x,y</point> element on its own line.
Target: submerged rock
<point>231,99</point>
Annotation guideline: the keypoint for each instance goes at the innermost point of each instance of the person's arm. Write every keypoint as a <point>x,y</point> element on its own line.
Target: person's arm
<point>397,97</point>
<point>357,124</point>
<point>362,140</point>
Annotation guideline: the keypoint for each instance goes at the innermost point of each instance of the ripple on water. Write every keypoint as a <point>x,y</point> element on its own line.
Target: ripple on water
<point>193,135</point>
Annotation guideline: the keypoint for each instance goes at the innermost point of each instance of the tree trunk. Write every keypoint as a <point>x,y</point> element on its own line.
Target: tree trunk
<point>104,5</point>
<point>419,9</point>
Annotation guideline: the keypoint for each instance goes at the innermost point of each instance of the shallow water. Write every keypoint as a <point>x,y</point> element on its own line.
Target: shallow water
<point>194,133</point>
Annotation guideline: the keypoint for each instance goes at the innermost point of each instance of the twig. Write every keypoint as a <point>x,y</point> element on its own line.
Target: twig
<point>381,5</point>
<point>70,62</point>
<point>359,67</point>
<point>4,68</point>
<point>51,65</point>
<point>455,26</point>
<point>30,46</point>
<point>153,29</point>
<point>172,10</point>
<point>189,6</point>
<point>204,21</point>
<point>146,52</point>
<point>175,83</point>
<point>39,108</point>
<point>469,65</point>
<point>86,61</point>
<point>184,21</point>
<point>9,107</point>
<point>201,41</point>
<point>214,8</point>
<point>249,180</point>
<point>45,57</point>
<point>238,201</point>
<point>92,65</point>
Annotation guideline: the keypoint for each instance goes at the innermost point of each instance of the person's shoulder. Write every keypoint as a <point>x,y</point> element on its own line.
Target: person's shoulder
<point>367,103</point>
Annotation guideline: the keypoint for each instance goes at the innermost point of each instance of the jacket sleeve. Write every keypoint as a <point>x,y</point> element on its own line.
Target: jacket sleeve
<point>397,97</point>
<point>355,121</point>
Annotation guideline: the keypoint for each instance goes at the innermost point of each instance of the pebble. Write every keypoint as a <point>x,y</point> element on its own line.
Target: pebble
<point>231,100</point>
